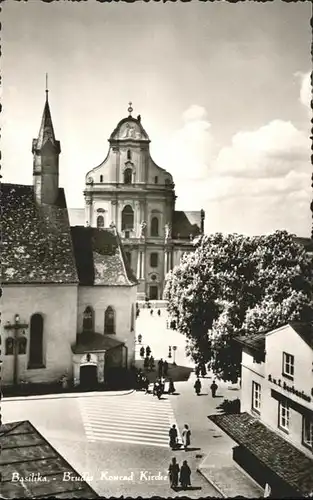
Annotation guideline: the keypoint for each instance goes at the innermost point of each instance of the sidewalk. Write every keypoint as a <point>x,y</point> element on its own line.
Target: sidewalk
<point>211,449</point>
<point>68,395</point>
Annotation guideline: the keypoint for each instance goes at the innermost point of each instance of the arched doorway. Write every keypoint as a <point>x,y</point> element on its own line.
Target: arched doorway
<point>88,373</point>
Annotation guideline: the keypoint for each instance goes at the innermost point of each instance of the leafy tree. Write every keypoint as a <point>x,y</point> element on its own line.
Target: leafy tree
<point>235,284</point>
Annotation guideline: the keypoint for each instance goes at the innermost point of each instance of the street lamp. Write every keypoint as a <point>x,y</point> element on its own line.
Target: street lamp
<point>174,350</point>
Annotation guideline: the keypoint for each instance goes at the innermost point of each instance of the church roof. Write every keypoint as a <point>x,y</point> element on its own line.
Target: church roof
<point>46,132</point>
<point>186,224</point>
<point>94,342</point>
<point>25,451</point>
<point>100,257</point>
<point>36,239</point>
<point>129,129</point>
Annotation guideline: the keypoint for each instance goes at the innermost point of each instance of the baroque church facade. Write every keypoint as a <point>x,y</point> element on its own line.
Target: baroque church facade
<point>68,294</point>
<point>129,191</point>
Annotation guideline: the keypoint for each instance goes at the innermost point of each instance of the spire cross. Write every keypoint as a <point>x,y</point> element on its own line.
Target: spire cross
<point>47,86</point>
<point>130,109</point>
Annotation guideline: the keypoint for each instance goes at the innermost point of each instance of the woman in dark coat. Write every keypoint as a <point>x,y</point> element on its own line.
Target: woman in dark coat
<point>173,472</point>
<point>185,474</point>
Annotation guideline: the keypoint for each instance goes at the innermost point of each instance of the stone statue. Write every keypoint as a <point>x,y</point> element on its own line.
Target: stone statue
<point>143,226</point>
<point>129,131</point>
<point>112,225</point>
<point>168,231</point>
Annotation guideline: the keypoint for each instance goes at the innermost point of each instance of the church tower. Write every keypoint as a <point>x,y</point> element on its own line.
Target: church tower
<point>46,150</point>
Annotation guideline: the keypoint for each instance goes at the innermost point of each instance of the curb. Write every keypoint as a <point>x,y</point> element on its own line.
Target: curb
<point>211,482</point>
<point>68,395</point>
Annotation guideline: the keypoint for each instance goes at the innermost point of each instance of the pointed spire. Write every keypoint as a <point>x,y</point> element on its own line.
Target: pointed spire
<point>46,132</point>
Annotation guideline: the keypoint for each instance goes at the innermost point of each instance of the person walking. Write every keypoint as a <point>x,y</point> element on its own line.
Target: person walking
<point>197,386</point>
<point>173,473</point>
<point>160,367</point>
<point>203,370</point>
<point>214,388</point>
<point>171,388</point>
<point>185,474</point>
<point>186,434</point>
<point>159,312</point>
<point>173,437</point>
<point>165,368</point>
<point>151,312</point>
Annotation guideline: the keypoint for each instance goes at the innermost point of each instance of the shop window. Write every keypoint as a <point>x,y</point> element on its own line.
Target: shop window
<point>288,365</point>
<point>88,320</point>
<point>127,218</point>
<point>109,320</point>
<point>307,432</point>
<point>154,226</point>
<point>100,222</point>
<point>36,342</point>
<point>283,415</point>
<point>154,257</point>
<point>128,176</point>
<point>256,397</point>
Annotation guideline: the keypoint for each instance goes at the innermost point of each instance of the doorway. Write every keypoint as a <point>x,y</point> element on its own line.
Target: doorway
<point>153,292</point>
<point>88,377</point>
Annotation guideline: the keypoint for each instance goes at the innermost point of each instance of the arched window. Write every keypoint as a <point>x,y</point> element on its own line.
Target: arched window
<point>9,346</point>
<point>36,342</point>
<point>154,259</point>
<point>129,154</point>
<point>100,221</point>
<point>128,176</point>
<point>127,218</point>
<point>154,226</point>
<point>88,320</point>
<point>101,178</point>
<point>109,320</point>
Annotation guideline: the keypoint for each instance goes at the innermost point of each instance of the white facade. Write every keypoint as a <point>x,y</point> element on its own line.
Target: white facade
<point>279,390</point>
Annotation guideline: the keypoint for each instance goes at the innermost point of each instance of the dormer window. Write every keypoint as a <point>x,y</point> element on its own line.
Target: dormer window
<point>129,154</point>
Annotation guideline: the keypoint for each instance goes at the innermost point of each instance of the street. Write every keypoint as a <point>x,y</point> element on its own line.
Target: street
<point>119,443</point>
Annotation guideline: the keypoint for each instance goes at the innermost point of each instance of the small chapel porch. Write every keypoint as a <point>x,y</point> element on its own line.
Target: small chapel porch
<point>96,358</point>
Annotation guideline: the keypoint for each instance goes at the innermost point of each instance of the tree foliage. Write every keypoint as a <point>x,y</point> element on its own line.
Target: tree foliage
<point>235,284</point>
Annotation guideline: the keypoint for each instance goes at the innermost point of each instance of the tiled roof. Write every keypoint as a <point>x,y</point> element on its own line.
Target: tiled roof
<point>256,341</point>
<point>26,452</point>
<point>100,258</point>
<point>186,224</point>
<point>305,330</point>
<point>289,463</point>
<point>36,239</point>
<point>89,342</point>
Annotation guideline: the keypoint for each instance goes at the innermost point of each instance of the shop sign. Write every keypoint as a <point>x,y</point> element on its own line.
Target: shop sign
<point>290,388</point>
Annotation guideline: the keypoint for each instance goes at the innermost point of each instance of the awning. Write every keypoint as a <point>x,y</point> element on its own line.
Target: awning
<point>25,453</point>
<point>284,459</point>
<point>94,342</point>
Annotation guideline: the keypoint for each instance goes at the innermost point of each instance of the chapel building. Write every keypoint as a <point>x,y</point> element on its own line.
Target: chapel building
<point>131,192</point>
<point>68,294</point>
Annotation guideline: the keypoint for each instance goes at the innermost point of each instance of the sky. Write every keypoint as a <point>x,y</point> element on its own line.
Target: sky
<point>223,90</point>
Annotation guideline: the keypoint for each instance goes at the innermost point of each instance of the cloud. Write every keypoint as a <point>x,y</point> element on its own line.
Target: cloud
<point>305,89</point>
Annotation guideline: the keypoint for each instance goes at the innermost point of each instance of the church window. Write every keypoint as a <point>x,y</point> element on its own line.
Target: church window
<point>109,320</point>
<point>154,226</point>
<point>156,180</point>
<point>128,176</point>
<point>128,257</point>
<point>129,154</point>
<point>36,342</point>
<point>101,178</point>
<point>154,257</point>
<point>9,346</point>
<point>100,221</point>
<point>127,218</point>
<point>22,342</point>
<point>88,320</point>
